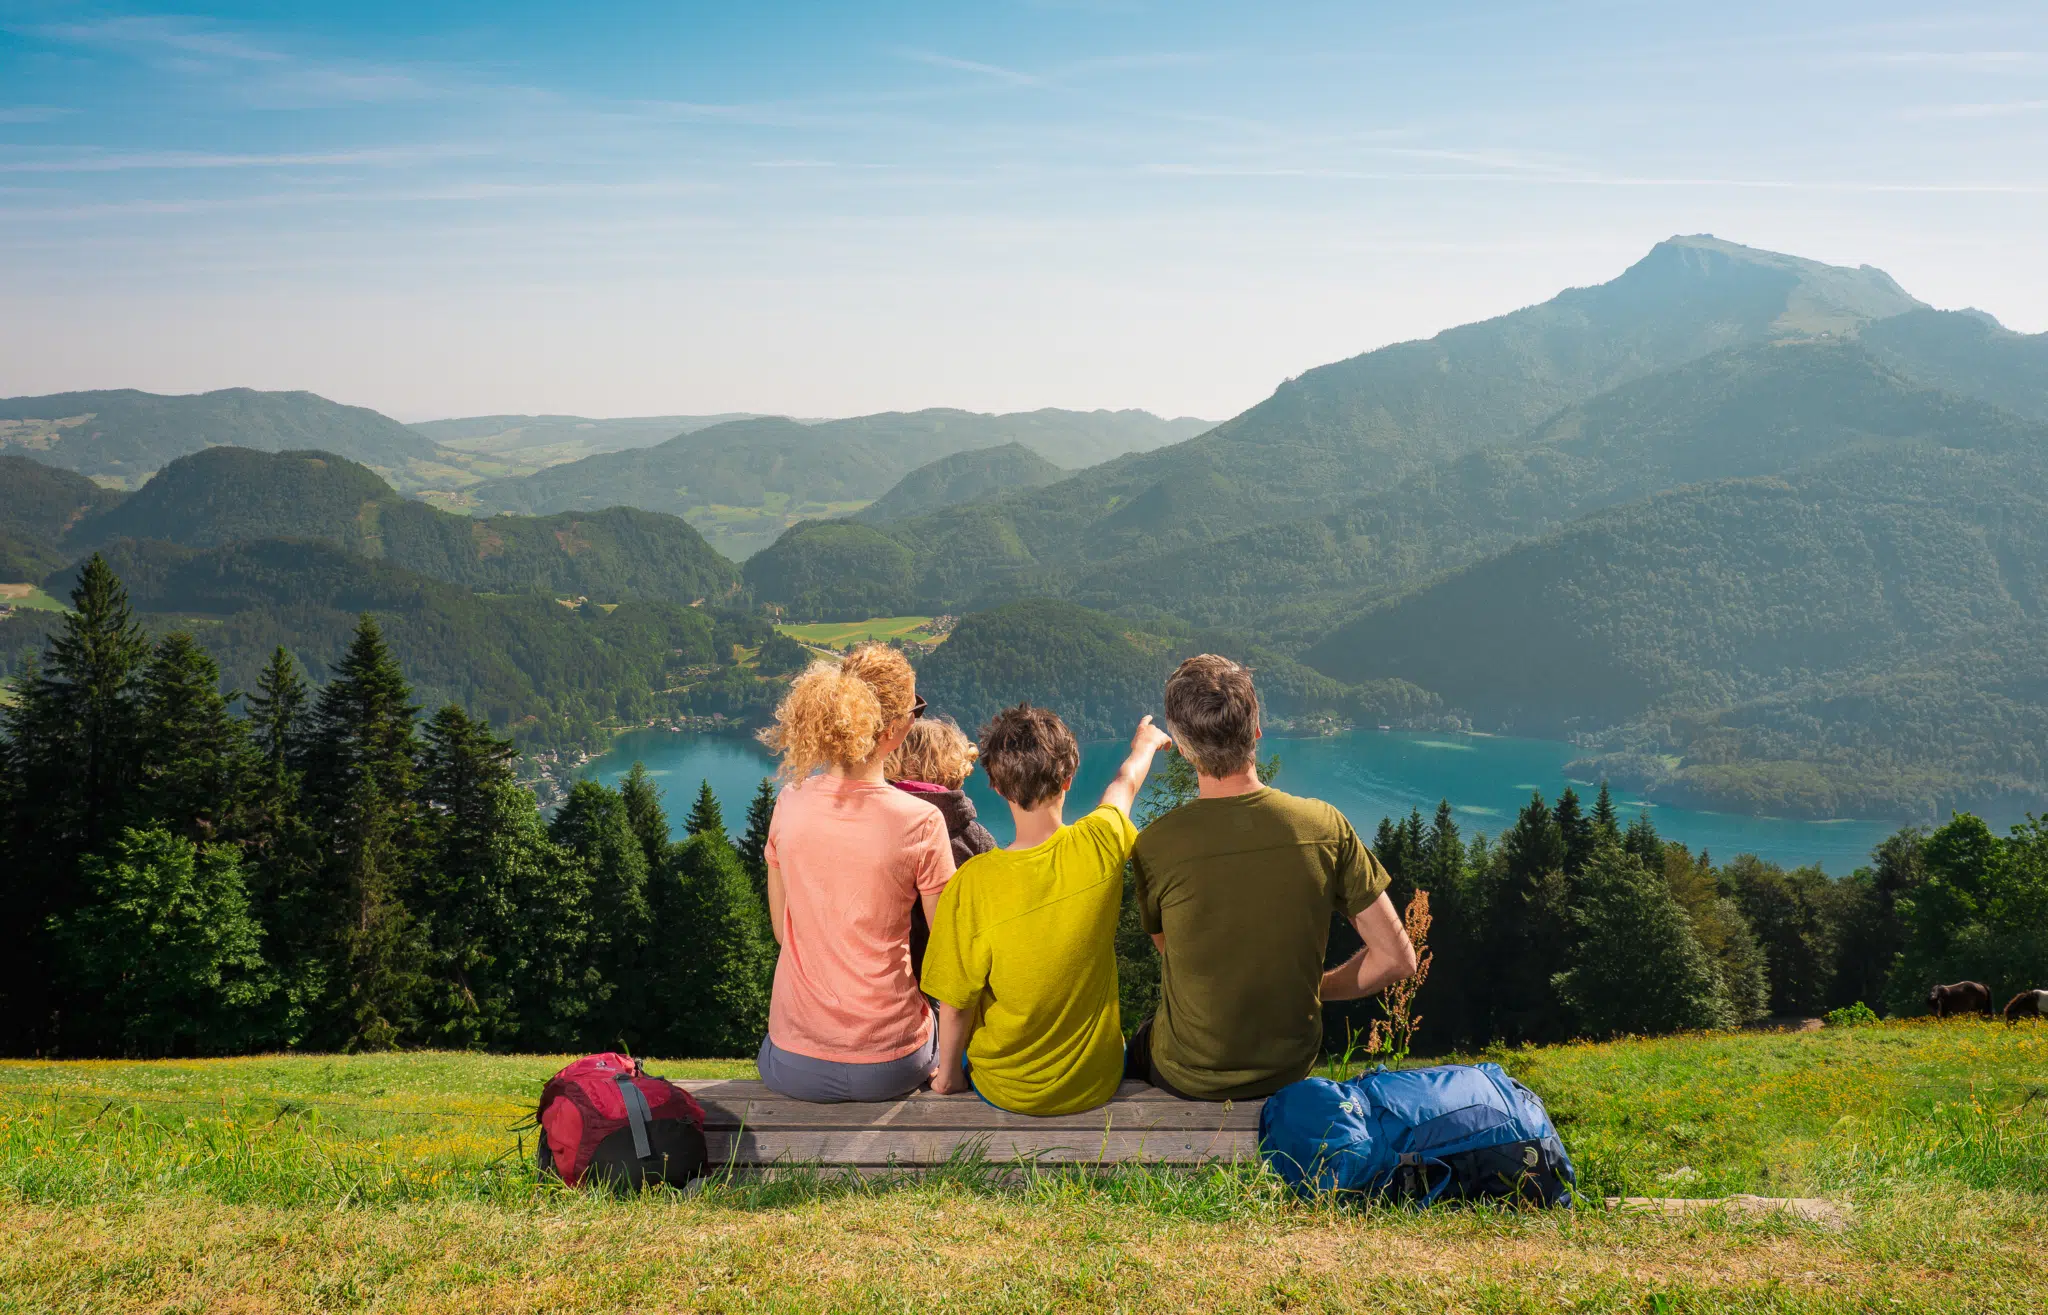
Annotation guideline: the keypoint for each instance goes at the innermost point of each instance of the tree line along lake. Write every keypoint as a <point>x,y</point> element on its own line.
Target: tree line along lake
<point>1367,774</point>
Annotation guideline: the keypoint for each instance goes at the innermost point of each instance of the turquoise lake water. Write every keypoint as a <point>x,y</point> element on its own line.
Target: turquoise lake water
<point>1368,774</point>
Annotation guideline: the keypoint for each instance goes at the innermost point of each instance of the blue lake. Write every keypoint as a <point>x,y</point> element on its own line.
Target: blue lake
<point>1368,774</point>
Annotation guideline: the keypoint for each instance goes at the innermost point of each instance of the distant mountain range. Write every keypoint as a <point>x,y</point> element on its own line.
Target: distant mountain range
<point>742,483</point>
<point>522,444</point>
<point>1762,533</point>
<point>961,478</point>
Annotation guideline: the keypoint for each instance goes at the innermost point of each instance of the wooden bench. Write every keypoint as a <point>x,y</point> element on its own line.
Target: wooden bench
<point>750,1128</point>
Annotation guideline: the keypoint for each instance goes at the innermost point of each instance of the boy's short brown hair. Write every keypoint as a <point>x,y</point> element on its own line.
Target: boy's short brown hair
<point>1029,754</point>
<point>1212,712</point>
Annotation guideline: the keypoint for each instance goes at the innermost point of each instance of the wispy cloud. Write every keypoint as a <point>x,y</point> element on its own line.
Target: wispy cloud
<point>32,113</point>
<point>993,71</point>
<point>180,36</point>
<point>114,162</point>
<point>1979,110</point>
<point>1974,60</point>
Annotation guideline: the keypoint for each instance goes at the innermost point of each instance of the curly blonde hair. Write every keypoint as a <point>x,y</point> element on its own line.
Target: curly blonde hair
<point>836,713</point>
<point>936,752</point>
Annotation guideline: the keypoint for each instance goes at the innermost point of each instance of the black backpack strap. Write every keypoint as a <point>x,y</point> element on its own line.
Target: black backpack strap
<point>638,1116</point>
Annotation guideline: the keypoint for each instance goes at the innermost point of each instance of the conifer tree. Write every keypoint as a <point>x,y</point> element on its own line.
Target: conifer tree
<point>277,711</point>
<point>710,993</point>
<point>361,788</point>
<point>1636,967</point>
<point>194,759</point>
<point>593,825</point>
<point>1443,858</point>
<point>753,846</point>
<point>706,817</point>
<point>1527,936</point>
<point>71,765</point>
<point>1642,841</point>
<point>1606,825</point>
<point>644,811</point>
<point>466,899</point>
<point>1576,829</point>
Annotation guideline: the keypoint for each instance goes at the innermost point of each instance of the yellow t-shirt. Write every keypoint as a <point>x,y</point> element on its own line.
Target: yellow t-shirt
<point>1030,936</point>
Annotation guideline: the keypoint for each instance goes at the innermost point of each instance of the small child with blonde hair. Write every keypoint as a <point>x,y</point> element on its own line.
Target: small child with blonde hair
<point>931,764</point>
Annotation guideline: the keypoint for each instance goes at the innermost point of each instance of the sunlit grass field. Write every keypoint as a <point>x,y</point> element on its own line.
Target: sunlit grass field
<point>840,634</point>
<point>28,596</point>
<point>403,1182</point>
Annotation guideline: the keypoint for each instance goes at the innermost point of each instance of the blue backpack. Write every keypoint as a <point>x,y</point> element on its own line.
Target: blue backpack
<point>1463,1132</point>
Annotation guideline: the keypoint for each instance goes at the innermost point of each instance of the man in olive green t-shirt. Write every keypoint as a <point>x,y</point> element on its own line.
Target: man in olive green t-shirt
<point>1236,888</point>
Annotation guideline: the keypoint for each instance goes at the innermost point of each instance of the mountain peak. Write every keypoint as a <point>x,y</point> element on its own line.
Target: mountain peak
<point>1819,300</point>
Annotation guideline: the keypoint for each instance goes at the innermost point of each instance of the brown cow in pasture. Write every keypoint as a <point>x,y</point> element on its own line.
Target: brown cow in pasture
<point>2027,1004</point>
<point>1959,998</point>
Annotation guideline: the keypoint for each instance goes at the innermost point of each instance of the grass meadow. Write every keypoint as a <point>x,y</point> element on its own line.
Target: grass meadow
<point>403,1183</point>
<point>845,634</point>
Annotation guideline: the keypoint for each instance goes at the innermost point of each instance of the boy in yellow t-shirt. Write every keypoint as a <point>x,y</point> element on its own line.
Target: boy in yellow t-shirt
<point>1022,957</point>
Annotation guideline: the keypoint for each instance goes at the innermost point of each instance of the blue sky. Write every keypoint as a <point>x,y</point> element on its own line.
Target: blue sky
<point>442,209</point>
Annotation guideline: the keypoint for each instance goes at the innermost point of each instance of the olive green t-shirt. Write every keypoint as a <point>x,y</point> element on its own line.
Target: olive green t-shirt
<point>1243,888</point>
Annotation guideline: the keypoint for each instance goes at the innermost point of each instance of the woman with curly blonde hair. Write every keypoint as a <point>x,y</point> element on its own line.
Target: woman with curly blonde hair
<point>848,856</point>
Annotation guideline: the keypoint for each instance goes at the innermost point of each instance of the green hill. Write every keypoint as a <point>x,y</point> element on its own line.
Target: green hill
<point>1876,580</point>
<point>124,435</point>
<point>832,571</point>
<point>745,482</point>
<point>1966,352</point>
<point>1101,673</point>
<point>525,443</point>
<point>1351,429</point>
<point>38,505</point>
<point>226,494</point>
<point>1746,411</point>
<point>961,478</point>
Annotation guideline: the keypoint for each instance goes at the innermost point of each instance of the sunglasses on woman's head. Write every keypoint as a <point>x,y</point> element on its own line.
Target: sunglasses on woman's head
<point>917,708</point>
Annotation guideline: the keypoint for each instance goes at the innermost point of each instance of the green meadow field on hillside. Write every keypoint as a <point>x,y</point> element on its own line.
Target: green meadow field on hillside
<point>404,1182</point>
<point>880,629</point>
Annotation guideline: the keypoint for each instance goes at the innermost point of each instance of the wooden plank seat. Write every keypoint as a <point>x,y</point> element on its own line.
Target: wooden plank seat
<point>750,1128</point>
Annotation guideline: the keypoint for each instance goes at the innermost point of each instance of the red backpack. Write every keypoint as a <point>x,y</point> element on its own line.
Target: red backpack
<point>605,1119</point>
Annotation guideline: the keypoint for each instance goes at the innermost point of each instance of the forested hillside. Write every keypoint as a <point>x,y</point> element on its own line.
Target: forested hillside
<point>39,504</point>
<point>526,443</point>
<point>962,478</point>
<point>124,435</point>
<point>1896,566</point>
<point>1968,353</point>
<point>226,494</point>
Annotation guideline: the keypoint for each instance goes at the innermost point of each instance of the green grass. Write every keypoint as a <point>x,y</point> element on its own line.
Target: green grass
<point>843,634</point>
<point>402,1182</point>
<point>29,596</point>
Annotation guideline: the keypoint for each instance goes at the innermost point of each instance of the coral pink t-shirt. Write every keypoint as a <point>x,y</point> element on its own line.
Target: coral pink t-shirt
<point>854,856</point>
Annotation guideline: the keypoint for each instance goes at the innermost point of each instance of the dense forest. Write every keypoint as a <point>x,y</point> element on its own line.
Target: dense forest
<point>327,871</point>
<point>961,478</point>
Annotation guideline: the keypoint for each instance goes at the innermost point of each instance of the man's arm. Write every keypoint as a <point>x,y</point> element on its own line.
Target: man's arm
<point>955,1027</point>
<point>775,901</point>
<point>1130,778</point>
<point>1385,958</point>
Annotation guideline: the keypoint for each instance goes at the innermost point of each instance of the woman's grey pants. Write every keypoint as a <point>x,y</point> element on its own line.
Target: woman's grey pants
<point>827,1081</point>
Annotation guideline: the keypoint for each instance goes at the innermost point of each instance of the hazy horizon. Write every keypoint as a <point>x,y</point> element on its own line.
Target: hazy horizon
<point>799,209</point>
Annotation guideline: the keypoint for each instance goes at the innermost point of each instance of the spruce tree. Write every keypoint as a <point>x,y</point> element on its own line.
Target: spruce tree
<point>1443,859</point>
<point>593,825</point>
<point>1642,841</point>
<point>1527,938</point>
<point>71,767</point>
<point>194,760</point>
<point>361,795</point>
<point>753,846</point>
<point>466,900</point>
<point>1606,825</point>
<point>277,711</point>
<point>711,986</point>
<point>1576,829</point>
<point>1636,967</point>
<point>644,811</point>
<point>706,818</point>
